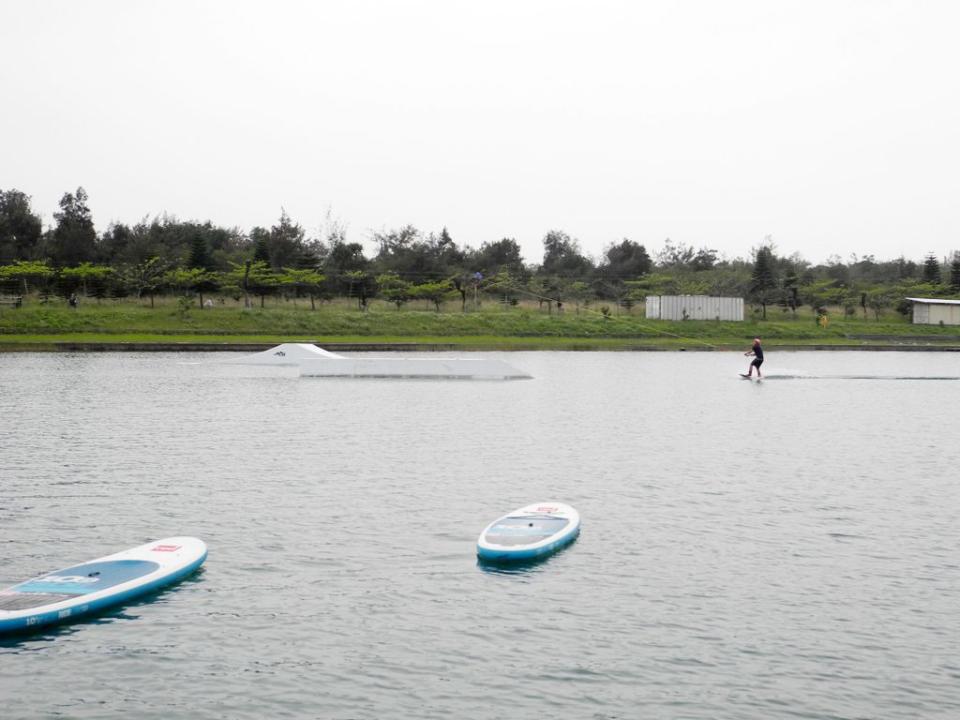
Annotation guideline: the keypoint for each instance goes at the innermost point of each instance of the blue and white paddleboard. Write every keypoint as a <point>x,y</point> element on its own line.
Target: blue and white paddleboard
<point>531,532</point>
<point>83,589</point>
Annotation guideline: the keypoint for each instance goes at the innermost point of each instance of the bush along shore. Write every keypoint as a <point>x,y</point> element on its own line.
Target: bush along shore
<point>116,324</point>
<point>191,264</point>
<point>192,284</point>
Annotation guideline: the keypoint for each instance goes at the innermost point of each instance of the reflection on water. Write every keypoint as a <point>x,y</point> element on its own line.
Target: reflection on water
<point>517,567</point>
<point>753,550</point>
<point>524,566</point>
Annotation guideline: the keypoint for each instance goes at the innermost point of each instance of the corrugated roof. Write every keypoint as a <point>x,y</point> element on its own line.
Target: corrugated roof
<point>935,301</point>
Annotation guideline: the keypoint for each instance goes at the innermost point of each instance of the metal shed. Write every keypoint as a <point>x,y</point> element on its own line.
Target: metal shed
<point>935,311</point>
<point>694,307</point>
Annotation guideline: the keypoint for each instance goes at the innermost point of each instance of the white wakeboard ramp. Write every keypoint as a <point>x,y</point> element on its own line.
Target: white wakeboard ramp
<point>287,354</point>
<point>316,362</point>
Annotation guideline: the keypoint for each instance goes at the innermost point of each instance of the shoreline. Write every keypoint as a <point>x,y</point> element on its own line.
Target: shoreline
<point>128,327</point>
<point>485,345</point>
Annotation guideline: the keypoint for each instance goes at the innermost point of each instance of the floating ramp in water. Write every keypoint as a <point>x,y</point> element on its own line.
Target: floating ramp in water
<point>316,362</point>
<point>287,354</point>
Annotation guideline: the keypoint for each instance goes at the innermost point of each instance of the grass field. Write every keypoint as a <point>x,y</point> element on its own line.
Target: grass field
<point>490,326</point>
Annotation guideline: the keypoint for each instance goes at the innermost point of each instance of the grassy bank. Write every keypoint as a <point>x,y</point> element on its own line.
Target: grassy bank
<point>493,326</point>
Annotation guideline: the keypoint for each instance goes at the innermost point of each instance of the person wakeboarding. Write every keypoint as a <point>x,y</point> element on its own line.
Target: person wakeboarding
<point>757,352</point>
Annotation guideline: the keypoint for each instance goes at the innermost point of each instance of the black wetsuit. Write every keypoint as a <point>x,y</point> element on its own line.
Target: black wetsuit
<point>757,356</point>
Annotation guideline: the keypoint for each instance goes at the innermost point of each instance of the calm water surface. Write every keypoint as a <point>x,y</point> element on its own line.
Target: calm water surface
<point>782,549</point>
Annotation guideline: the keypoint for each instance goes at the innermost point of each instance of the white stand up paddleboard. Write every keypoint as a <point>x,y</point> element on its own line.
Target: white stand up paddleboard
<point>531,532</point>
<point>83,589</point>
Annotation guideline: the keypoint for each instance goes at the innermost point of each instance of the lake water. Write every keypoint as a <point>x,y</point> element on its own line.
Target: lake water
<point>749,550</point>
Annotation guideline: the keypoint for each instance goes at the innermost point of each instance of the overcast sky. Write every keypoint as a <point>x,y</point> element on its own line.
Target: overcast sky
<point>832,126</point>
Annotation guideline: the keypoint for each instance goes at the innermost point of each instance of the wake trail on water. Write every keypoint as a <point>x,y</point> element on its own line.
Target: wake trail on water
<point>807,376</point>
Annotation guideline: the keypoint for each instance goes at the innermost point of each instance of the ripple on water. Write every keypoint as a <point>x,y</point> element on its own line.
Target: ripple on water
<point>781,550</point>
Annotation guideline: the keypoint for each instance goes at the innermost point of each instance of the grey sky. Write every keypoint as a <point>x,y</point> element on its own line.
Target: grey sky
<point>832,126</point>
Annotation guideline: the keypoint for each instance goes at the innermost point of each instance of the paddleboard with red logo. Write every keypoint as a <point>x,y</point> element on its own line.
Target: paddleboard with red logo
<point>531,532</point>
<point>71,593</point>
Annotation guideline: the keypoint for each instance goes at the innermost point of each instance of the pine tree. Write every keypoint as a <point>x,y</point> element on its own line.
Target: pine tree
<point>199,252</point>
<point>955,273</point>
<point>931,270</point>
<point>285,242</point>
<point>309,257</point>
<point>261,246</point>
<point>763,280</point>
<point>445,239</point>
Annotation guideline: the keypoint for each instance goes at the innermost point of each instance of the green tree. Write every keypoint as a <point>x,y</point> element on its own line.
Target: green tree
<point>194,280</point>
<point>445,240</point>
<point>286,243</point>
<point>237,281</point>
<point>547,289</point>
<point>434,292</point>
<point>580,292</point>
<point>955,273</point>
<point>392,288</point>
<point>705,259</point>
<point>26,271</point>
<point>849,302</point>
<point>306,281</point>
<point>199,251</point>
<point>84,275</point>
<point>821,294</point>
<point>344,265</point>
<point>313,254</point>
<point>727,279</point>
<point>261,245</point>
<point>144,277</point>
<point>403,252</point>
<point>406,252</point>
<point>20,229</point>
<point>562,256</point>
<point>259,279</point>
<point>763,280</point>
<point>913,288</point>
<point>931,270</point>
<point>503,284</point>
<point>626,260</point>
<point>461,283</point>
<point>680,255</point>
<point>659,283</point>
<point>501,256</point>
<point>114,243</point>
<point>675,255</point>
<point>180,244</point>
<point>359,285</point>
<point>74,238</point>
<point>879,299</point>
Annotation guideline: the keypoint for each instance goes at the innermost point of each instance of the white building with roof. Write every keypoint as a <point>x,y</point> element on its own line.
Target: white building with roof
<point>935,311</point>
<point>694,307</point>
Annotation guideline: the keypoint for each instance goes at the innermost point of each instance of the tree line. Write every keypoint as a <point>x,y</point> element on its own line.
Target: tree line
<point>191,259</point>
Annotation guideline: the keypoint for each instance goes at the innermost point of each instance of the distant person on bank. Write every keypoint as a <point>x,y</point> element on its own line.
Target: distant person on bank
<point>757,352</point>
